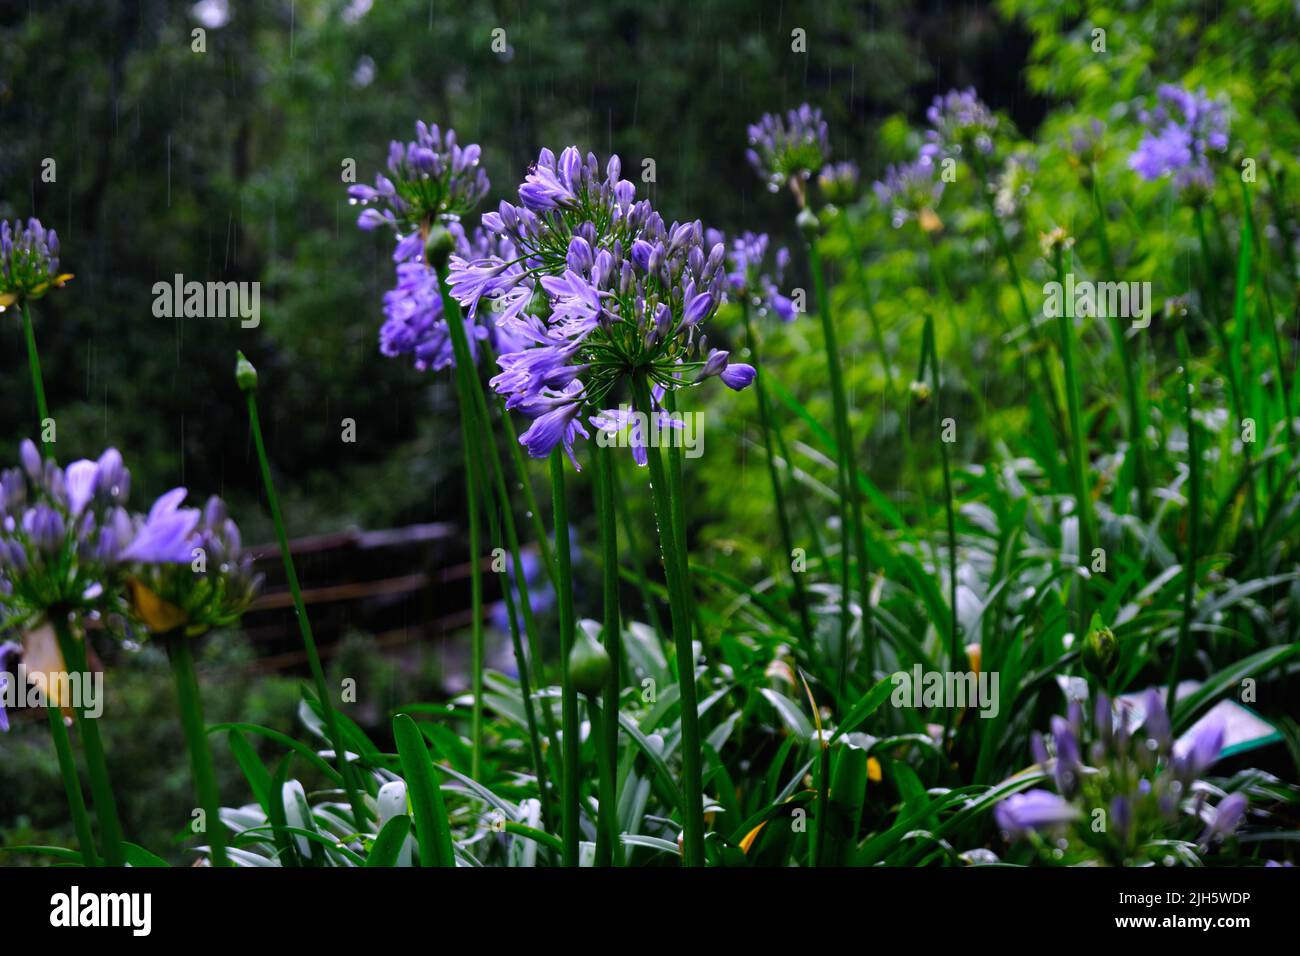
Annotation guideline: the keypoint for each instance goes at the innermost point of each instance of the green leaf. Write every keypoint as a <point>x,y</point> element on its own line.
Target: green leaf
<point>433,832</point>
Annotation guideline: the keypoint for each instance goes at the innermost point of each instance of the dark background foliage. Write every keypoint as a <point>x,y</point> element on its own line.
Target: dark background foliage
<point>226,165</point>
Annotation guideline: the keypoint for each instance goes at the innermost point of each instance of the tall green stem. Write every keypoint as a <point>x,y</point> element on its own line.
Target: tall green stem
<point>1193,520</point>
<point>850,510</point>
<point>1136,414</point>
<point>674,559</point>
<point>1004,248</point>
<point>196,738</point>
<point>470,436</point>
<point>1078,456</point>
<point>778,496</point>
<point>71,784</point>
<point>608,848</point>
<point>101,787</point>
<point>360,814</point>
<point>38,383</point>
<point>569,732</point>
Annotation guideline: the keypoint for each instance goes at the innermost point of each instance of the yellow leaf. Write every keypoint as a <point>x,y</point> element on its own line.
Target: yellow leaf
<point>751,836</point>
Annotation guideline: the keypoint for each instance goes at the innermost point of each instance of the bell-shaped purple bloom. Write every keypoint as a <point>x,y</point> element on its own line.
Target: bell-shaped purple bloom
<point>1033,810</point>
<point>167,535</point>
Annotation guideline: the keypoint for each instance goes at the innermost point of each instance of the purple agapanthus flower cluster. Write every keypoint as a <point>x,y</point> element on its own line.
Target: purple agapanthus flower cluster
<point>560,199</point>
<point>1148,786</point>
<point>193,563</point>
<point>68,544</point>
<point>29,261</point>
<point>1182,130</point>
<point>429,178</point>
<point>959,122</point>
<point>910,191</point>
<point>414,322</point>
<point>788,149</point>
<point>598,290</point>
<point>748,277</point>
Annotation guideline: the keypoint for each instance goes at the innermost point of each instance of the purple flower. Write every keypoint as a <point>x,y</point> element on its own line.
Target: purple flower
<point>1182,130</point>
<point>1156,721</point>
<point>432,177</point>
<point>786,149</point>
<point>9,652</point>
<point>167,534</point>
<point>738,376</point>
<point>1068,763</point>
<point>959,121</point>
<point>613,293</point>
<point>1229,814</point>
<point>559,425</point>
<point>1194,758</point>
<point>747,277</point>
<point>1033,810</point>
<point>910,190</point>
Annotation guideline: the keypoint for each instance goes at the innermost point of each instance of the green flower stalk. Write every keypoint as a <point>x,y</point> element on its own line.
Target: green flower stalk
<point>1055,244</point>
<point>570,734</point>
<point>246,378</point>
<point>665,487</point>
<point>608,849</point>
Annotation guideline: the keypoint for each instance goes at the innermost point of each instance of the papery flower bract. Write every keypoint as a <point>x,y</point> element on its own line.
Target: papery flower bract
<point>786,149</point>
<point>29,261</point>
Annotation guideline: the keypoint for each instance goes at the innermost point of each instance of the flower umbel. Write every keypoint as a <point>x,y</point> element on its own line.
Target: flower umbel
<point>29,261</point>
<point>429,178</point>
<point>787,149</point>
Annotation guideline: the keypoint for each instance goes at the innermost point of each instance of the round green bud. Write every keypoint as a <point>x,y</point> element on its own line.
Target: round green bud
<point>589,664</point>
<point>245,374</point>
<point>1100,650</point>
<point>438,246</point>
<point>808,223</point>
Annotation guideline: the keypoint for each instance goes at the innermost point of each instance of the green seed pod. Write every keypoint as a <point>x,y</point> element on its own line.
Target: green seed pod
<point>245,374</point>
<point>589,664</point>
<point>439,246</point>
<point>808,224</point>
<point>1100,649</point>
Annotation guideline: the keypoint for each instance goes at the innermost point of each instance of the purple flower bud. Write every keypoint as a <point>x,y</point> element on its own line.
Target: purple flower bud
<point>31,459</point>
<point>737,376</point>
<point>1227,817</point>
